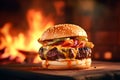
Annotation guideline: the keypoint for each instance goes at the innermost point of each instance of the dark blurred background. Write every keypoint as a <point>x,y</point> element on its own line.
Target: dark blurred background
<point>100,18</point>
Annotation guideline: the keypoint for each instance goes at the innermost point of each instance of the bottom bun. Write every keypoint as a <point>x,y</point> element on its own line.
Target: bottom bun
<point>67,64</point>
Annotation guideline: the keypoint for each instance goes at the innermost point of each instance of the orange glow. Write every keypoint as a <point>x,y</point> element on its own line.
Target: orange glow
<point>96,55</point>
<point>108,55</point>
<point>37,59</point>
<point>27,42</point>
<point>59,5</point>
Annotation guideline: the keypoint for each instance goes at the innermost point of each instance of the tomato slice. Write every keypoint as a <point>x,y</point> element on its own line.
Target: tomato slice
<point>73,43</point>
<point>68,43</point>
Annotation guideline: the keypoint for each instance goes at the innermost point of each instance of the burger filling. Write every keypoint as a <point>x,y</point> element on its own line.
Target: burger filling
<point>66,48</point>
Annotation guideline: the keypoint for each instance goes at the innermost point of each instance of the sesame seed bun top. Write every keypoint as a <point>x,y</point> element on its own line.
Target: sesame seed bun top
<point>63,30</point>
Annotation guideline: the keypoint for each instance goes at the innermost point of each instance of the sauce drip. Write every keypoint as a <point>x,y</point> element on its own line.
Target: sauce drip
<point>46,64</point>
<point>69,63</point>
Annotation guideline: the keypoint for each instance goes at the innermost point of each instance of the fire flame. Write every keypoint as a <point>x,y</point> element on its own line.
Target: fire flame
<point>26,42</point>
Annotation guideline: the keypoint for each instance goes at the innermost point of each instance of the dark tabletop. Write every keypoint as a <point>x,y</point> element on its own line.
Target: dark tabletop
<point>98,71</point>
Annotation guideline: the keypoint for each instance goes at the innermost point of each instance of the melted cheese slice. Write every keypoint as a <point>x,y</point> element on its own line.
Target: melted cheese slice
<point>60,48</point>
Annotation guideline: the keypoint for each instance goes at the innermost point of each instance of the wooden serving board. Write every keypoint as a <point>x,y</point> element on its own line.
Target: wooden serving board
<point>98,71</point>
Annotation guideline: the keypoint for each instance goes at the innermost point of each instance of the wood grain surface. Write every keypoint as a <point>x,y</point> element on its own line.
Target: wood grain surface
<point>98,71</point>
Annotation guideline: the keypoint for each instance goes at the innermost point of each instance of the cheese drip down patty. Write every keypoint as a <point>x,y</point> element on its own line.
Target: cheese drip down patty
<point>58,52</point>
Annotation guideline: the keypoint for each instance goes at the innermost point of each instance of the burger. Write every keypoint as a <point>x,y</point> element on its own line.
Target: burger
<point>65,46</point>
